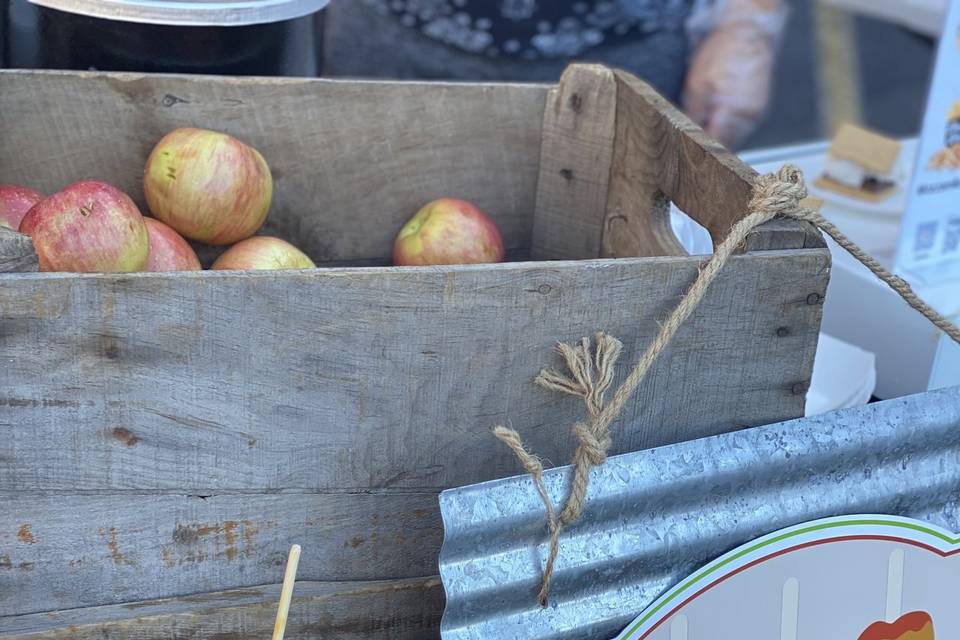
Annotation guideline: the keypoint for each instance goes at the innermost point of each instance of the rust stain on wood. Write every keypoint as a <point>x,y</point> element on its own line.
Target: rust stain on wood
<point>112,544</point>
<point>25,535</point>
<point>167,554</point>
<point>43,402</point>
<point>230,538</point>
<point>224,538</point>
<point>124,436</point>
<point>250,530</point>
<point>356,541</point>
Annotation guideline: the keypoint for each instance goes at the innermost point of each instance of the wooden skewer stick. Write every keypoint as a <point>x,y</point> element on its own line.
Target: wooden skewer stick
<point>286,592</point>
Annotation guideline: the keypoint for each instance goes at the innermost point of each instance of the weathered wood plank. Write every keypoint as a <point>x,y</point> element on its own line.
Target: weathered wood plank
<point>661,155</point>
<point>69,551</point>
<point>575,157</point>
<point>352,161</point>
<point>367,378</point>
<point>385,610</point>
<point>16,252</point>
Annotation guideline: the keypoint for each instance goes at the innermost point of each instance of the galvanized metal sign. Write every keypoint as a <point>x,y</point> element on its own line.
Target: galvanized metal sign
<point>655,516</point>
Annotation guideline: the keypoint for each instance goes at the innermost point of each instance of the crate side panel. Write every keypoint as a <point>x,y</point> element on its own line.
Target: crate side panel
<point>375,378</point>
<point>72,551</point>
<point>352,161</point>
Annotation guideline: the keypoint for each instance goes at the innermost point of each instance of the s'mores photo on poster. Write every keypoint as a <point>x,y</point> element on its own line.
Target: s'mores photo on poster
<point>861,164</point>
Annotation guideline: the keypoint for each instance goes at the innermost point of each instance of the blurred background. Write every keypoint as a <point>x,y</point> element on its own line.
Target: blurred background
<point>864,61</point>
<point>838,65</point>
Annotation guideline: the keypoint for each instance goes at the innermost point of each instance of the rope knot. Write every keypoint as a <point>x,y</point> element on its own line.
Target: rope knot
<point>591,373</point>
<point>594,449</point>
<point>779,193</point>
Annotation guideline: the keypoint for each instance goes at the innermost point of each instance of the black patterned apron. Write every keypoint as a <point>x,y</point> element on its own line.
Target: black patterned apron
<point>510,40</point>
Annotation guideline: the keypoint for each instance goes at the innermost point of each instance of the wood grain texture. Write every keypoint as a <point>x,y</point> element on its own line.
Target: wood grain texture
<point>16,252</point>
<point>660,156</point>
<point>169,434</point>
<point>352,161</point>
<point>386,610</point>
<point>334,396</point>
<point>575,157</point>
<point>367,378</point>
<point>68,551</point>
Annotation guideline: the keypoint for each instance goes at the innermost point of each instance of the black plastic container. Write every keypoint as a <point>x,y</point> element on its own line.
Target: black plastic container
<point>272,39</point>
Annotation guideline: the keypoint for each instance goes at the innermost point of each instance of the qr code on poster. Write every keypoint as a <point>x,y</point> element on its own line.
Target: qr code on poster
<point>926,236</point>
<point>952,240</point>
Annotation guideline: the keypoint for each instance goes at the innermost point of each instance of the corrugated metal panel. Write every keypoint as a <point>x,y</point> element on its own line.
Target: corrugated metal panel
<point>653,517</point>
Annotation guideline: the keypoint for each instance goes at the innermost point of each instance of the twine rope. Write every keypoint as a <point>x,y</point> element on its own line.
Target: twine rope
<point>591,367</point>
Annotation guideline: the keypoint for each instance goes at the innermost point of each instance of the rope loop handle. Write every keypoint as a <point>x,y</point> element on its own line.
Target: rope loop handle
<point>591,367</point>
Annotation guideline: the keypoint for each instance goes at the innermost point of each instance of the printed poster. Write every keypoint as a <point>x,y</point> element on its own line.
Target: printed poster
<point>929,247</point>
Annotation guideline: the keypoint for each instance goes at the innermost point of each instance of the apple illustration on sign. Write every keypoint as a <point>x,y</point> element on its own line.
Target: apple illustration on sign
<point>916,625</point>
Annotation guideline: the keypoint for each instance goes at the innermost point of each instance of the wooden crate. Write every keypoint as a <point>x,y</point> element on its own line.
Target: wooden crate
<point>168,435</point>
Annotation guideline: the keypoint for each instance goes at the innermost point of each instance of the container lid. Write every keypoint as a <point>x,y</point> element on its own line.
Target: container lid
<point>207,13</point>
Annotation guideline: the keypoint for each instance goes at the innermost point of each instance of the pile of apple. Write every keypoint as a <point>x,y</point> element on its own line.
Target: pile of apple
<point>210,187</point>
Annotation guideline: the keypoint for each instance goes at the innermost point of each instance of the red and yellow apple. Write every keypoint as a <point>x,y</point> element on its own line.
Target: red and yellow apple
<point>263,252</point>
<point>168,251</point>
<point>88,227</point>
<point>208,186</point>
<point>15,202</point>
<point>448,231</point>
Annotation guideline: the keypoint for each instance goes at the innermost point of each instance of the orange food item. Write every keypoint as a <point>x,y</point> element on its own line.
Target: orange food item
<point>917,625</point>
